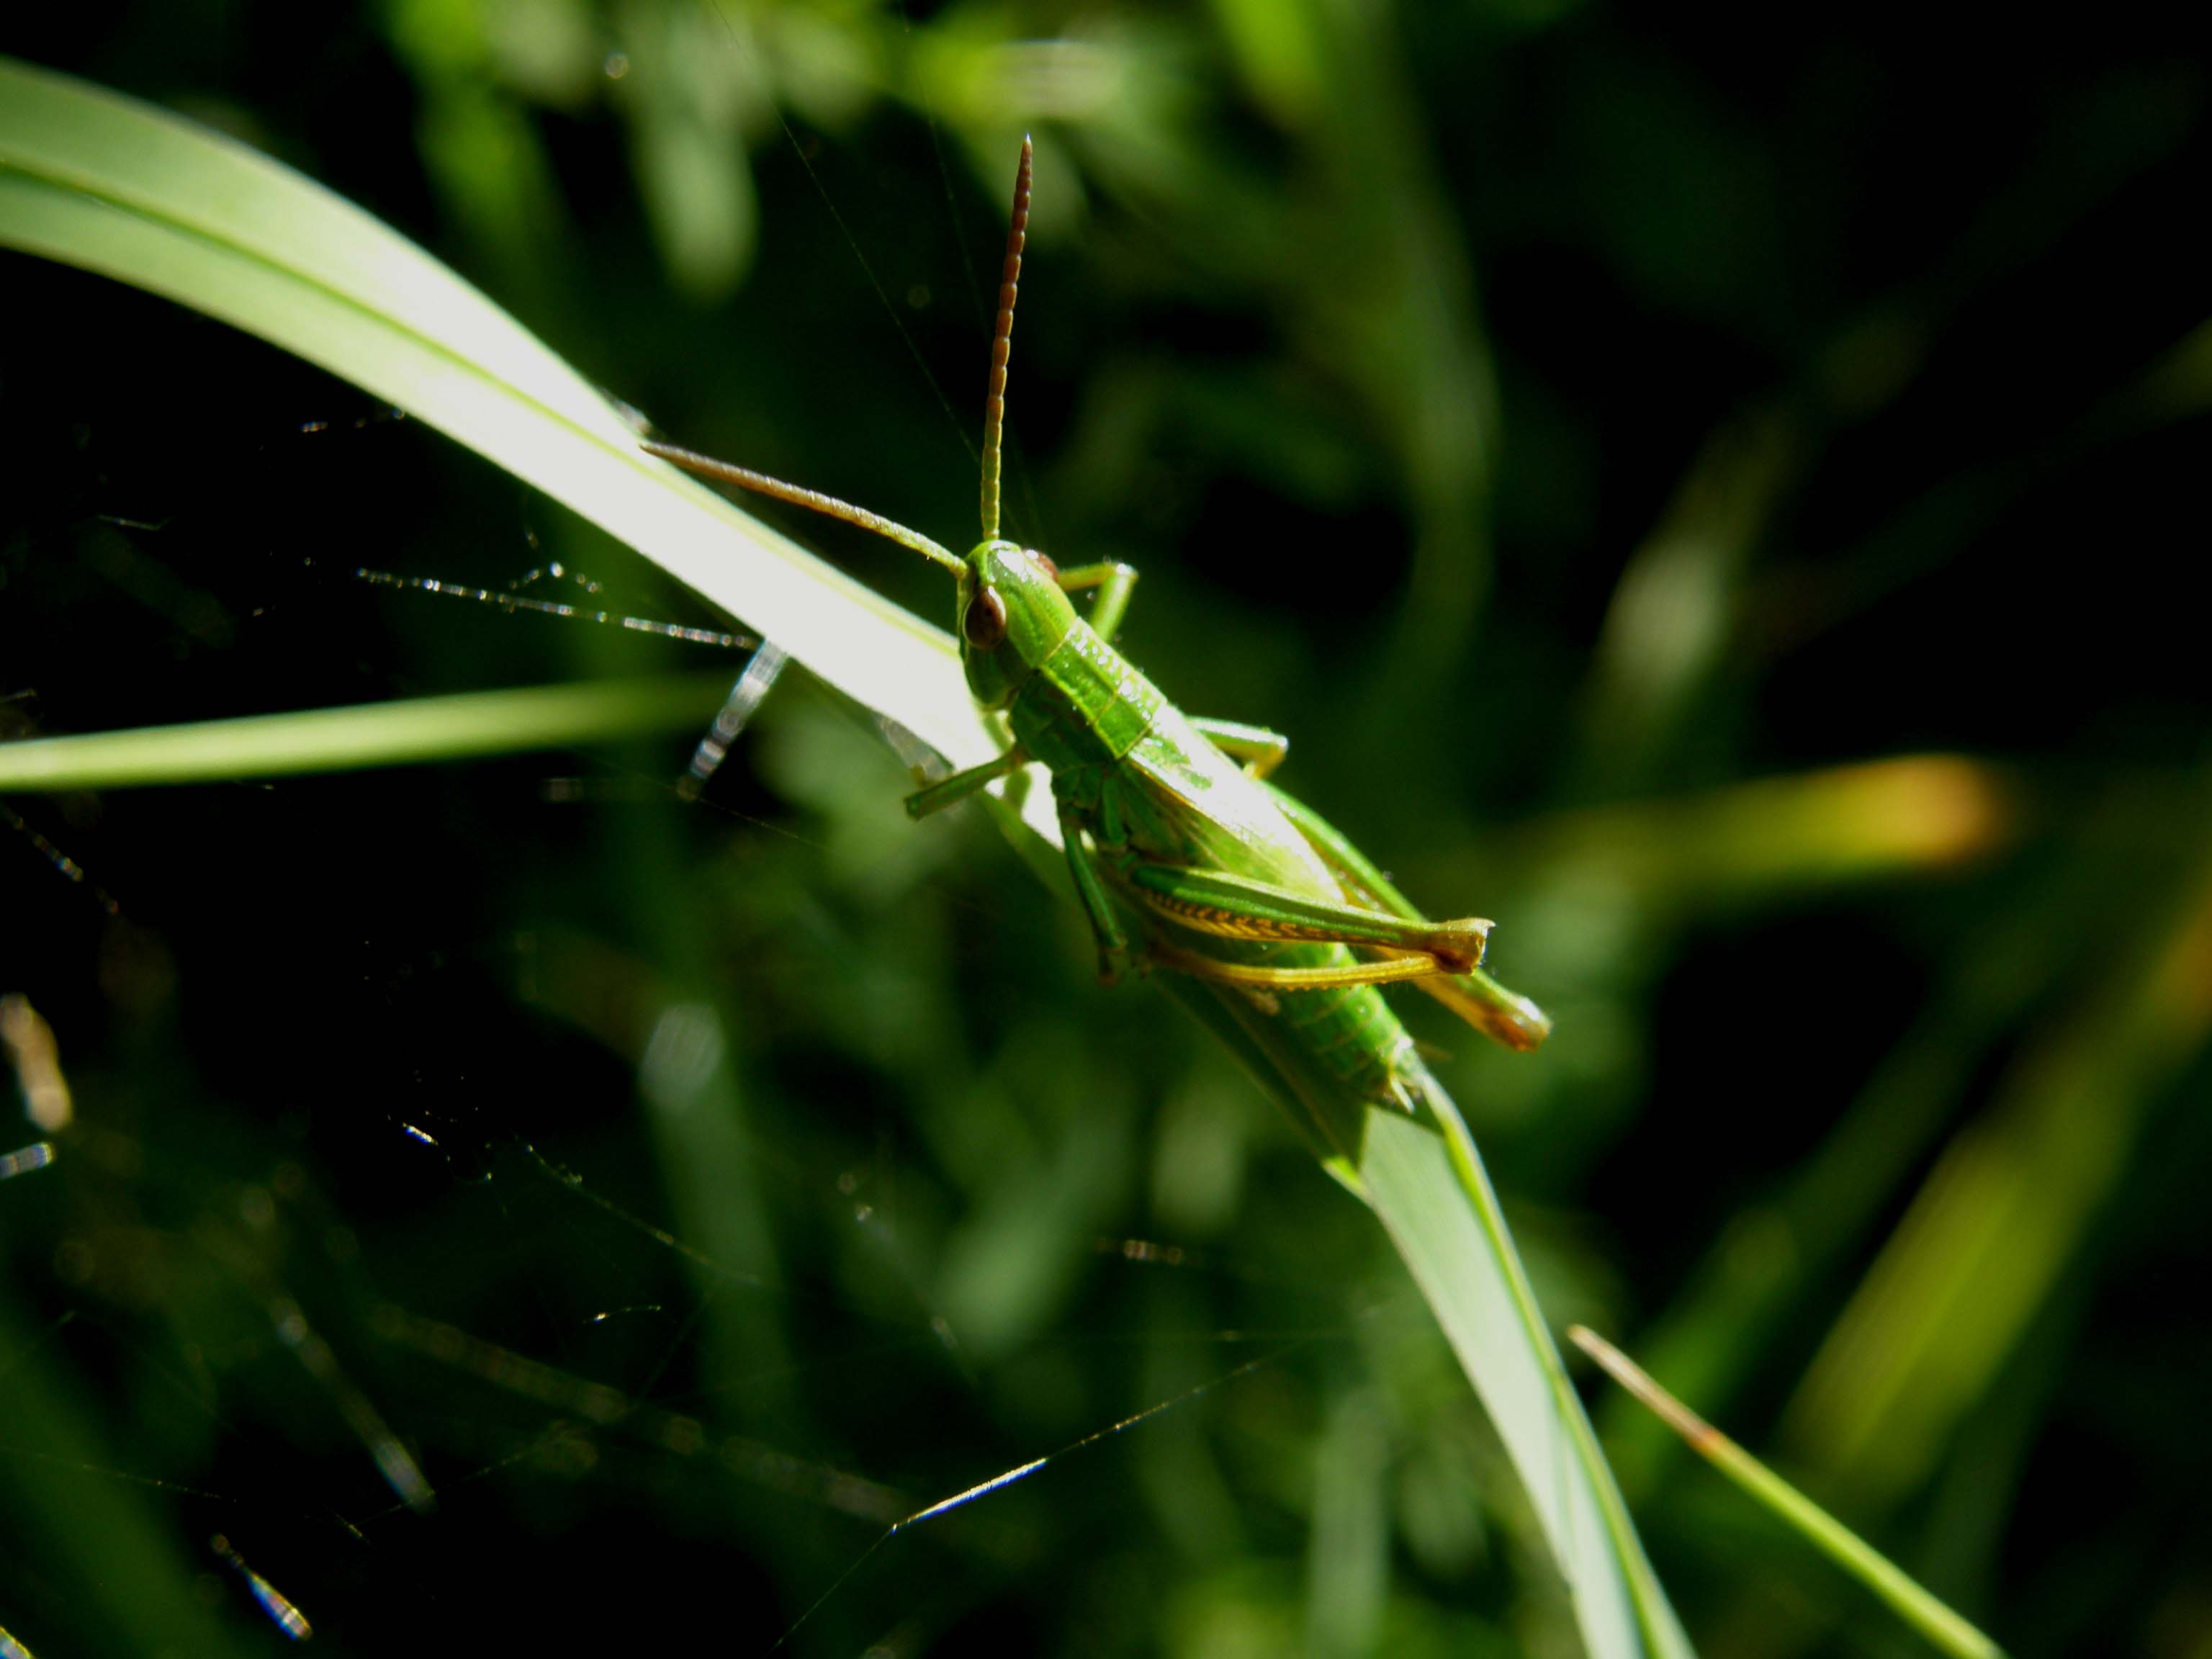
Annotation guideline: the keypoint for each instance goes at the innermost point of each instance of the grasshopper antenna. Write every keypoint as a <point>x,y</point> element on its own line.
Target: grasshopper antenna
<point>1002,339</point>
<point>705,466</point>
<point>994,418</point>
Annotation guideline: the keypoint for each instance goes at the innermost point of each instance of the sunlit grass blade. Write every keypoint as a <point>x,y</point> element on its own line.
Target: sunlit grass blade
<point>99,181</point>
<point>417,732</point>
<point>1919,1609</point>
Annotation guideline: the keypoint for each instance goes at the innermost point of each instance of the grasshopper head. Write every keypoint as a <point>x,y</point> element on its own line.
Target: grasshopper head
<point>1013,616</point>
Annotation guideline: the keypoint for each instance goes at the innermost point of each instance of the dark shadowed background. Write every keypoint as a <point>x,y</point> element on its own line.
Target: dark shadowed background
<point>1717,494</point>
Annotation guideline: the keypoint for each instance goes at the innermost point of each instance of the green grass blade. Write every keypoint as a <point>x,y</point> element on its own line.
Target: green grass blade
<point>99,181</point>
<point>1919,1609</point>
<point>1435,1201</point>
<point>418,731</point>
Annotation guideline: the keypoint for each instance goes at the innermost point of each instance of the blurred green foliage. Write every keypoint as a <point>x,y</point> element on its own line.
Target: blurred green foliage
<point>1714,495</point>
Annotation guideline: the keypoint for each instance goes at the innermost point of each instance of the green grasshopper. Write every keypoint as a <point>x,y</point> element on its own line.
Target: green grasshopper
<point>1170,826</point>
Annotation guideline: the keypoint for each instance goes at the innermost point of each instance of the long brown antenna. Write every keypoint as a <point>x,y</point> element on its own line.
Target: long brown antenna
<point>760,483</point>
<point>1002,340</point>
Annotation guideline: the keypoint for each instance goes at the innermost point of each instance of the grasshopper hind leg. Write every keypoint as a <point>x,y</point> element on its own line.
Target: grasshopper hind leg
<point>1230,905</point>
<point>1504,1016</point>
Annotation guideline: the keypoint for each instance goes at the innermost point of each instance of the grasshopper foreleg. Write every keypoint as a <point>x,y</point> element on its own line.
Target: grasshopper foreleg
<point>946,792</point>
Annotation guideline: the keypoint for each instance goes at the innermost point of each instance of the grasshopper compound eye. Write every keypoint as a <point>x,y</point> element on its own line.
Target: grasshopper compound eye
<point>1049,566</point>
<point>985,623</point>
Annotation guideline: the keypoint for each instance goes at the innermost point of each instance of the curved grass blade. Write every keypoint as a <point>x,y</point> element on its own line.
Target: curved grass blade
<point>97,180</point>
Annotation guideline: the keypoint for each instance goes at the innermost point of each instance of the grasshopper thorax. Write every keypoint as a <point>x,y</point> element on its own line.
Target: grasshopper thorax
<point>1013,616</point>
